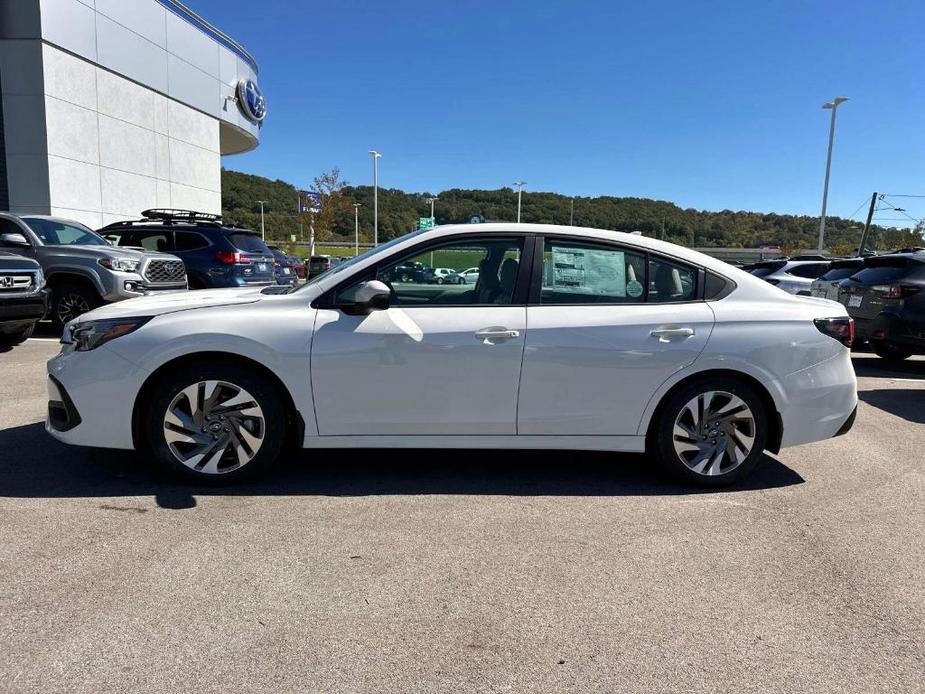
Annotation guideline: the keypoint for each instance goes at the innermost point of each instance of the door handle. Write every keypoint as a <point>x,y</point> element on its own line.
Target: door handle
<point>496,333</point>
<point>667,334</point>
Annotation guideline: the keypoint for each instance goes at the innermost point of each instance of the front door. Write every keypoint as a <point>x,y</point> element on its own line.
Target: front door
<point>609,326</point>
<point>441,360</point>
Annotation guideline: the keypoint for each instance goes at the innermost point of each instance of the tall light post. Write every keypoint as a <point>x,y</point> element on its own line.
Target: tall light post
<point>263,233</point>
<point>356,227</point>
<point>432,201</point>
<point>520,189</point>
<point>375,155</point>
<point>571,213</point>
<point>832,106</point>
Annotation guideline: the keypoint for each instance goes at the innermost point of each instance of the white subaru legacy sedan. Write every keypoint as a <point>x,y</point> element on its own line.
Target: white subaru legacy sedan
<point>570,339</point>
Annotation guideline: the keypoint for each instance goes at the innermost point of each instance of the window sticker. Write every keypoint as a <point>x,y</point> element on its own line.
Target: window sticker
<point>590,271</point>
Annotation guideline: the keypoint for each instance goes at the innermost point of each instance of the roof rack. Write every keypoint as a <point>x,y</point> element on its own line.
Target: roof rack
<point>171,215</point>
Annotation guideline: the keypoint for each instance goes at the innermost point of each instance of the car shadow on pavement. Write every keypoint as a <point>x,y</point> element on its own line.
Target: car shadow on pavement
<point>906,403</point>
<point>874,367</point>
<point>33,465</point>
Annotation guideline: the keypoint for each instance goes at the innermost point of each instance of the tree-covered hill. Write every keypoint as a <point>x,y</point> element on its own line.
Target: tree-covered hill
<point>399,213</point>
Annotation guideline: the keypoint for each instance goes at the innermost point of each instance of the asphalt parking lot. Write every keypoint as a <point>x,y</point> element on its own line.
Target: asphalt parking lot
<point>465,571</point>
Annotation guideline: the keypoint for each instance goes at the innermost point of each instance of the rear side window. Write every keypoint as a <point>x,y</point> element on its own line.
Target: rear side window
<point>190,241</point>
<point>809,270</point>
<point>579,274</point>
<point>151,240</point>
<point>247,242</point>
<point>671,281</point>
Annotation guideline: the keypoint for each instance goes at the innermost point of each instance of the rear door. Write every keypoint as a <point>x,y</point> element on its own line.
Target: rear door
<point>607,325</point>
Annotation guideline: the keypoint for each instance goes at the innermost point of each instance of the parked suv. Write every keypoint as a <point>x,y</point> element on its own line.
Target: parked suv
<point>23,298</point>
<point>827,286</point>
<point>886,298</point>
<point>215,255</point>
<point>793,276</point>
<point>81,268</point>
<point>283,267</point>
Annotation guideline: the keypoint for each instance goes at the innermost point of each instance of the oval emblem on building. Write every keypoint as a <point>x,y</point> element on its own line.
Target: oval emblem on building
<point>252,102</point>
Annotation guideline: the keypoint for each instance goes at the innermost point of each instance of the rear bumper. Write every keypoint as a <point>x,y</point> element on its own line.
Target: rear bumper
<point>820,401</point>
<point>891,328</point>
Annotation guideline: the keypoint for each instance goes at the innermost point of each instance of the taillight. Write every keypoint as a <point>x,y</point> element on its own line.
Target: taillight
<point>232,258</point>
<point>895,291</point>
<point>841,329</point>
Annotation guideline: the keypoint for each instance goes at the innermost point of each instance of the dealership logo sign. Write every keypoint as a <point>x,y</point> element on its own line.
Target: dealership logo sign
<point>251,100</point>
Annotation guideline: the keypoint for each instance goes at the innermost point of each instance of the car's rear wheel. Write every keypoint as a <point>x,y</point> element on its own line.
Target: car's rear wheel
<point>890,350</point>
<point>215,423</point>
<point>711,432</point>
<point>71,300</point>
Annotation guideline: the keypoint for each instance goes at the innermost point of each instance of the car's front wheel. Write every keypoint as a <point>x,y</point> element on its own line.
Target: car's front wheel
<point>215,423</point>
<point>71,300</point>
<point>711,432</point>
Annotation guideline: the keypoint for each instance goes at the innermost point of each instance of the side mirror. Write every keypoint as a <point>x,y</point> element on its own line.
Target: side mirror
<point>372,296</point>
<point>14,239</point>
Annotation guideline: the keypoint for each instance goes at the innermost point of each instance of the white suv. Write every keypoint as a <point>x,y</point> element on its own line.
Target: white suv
<point>793,276</point>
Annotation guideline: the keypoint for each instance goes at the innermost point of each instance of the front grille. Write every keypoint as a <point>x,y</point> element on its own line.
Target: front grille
<point>12,282</point>
<point>165,272</point>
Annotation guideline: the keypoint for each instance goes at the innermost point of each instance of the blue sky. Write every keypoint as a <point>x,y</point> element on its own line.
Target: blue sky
<point>711,105</point>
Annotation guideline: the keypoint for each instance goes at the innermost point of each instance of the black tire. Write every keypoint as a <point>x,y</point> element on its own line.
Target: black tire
<point>662,438</point>
<point>12,339</point>
<point>890,351</point>
<point>69,300</point>
<point>264,394</point>
<point>439,280</point>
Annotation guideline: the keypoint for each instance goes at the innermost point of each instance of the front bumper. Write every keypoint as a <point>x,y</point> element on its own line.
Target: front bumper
<point>24,309</point>
<point>98,387</point>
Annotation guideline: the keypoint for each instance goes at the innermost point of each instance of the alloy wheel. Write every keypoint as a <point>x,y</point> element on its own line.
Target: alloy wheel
<point>714,433</point>
<point>70,306</point>
<point>214,427</point>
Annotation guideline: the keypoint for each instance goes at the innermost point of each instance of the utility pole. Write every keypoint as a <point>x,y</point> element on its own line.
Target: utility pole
<point>870,216</point>
<point>375,155</point>
<point>571,213</point>
<point>356,227</point>
<point>263,233</point>
<point>833,106</point>
<point>520,189</point>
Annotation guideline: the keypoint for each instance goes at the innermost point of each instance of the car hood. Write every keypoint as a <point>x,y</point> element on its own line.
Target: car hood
<point>169,302</point>
<point>75,251</point>
<point>11,261</point>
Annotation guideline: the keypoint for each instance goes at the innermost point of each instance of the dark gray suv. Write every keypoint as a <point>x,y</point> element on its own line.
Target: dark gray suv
<point>82,269</point>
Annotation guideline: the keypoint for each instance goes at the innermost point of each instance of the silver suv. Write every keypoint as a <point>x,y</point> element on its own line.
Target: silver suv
<point>82,269</point>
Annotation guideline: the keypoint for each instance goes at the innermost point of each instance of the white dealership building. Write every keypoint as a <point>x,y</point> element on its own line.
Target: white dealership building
<point>111,107</point>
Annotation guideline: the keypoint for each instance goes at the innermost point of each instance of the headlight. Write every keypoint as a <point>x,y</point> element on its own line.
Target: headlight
<point>120,264</point>
<point>93,333</point>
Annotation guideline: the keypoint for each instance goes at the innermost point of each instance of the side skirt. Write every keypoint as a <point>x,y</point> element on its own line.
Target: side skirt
<point>621,444</point>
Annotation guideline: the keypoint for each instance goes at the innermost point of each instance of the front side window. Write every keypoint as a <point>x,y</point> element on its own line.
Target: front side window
<point>55,233</point>
<point>410,278</point>
<point>150,240</point>
<point>580,274</point>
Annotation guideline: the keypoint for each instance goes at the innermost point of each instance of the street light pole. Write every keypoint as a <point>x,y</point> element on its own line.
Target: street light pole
<point>263,233</point>
<point>571,213</point>
<point>356,227</point>
<point>432,201</point>
<point>832,106</point>
<point>520,189</point>
<point>375,155</point>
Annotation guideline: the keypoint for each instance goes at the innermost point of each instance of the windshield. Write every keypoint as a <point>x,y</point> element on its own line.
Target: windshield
<point>350,262</point>
<point>54,233</point>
